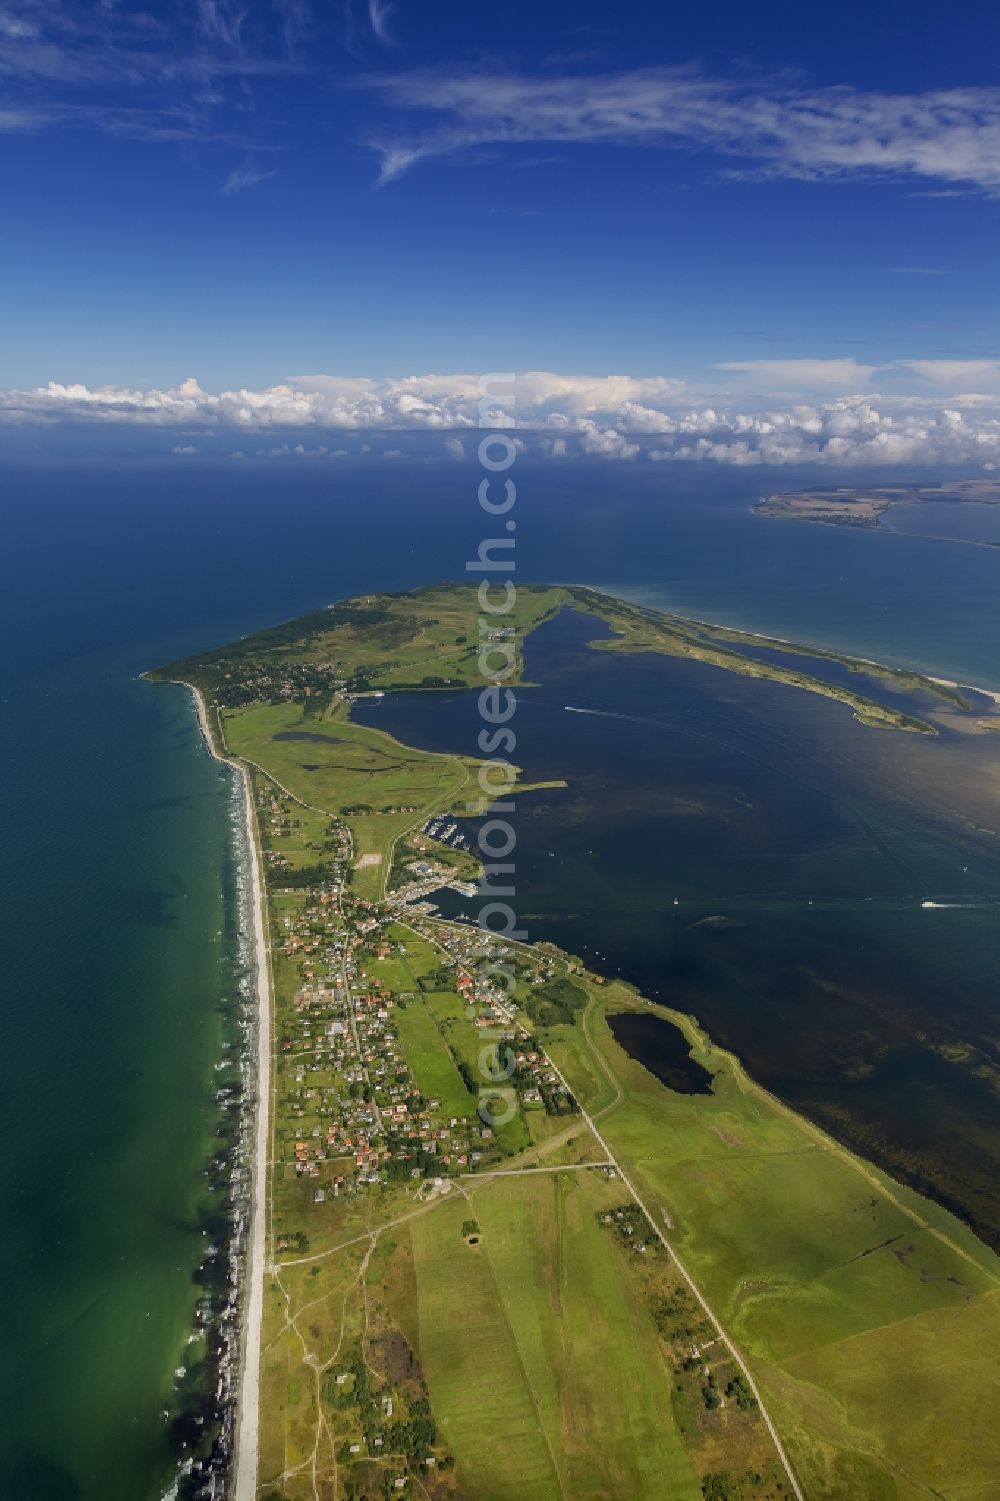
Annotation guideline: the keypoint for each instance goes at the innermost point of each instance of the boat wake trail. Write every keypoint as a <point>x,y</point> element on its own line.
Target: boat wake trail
<point>609,714</point>
<point>986,901</point>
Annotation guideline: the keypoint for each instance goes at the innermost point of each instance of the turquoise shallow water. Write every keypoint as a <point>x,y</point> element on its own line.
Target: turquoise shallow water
<point>118,963</point>
<point>116,872</point>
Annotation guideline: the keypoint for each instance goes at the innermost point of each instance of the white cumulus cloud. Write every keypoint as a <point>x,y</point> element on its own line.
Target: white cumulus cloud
<point>606,441</point>
<point>949,415</point>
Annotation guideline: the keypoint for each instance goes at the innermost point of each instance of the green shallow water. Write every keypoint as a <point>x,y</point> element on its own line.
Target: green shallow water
<point>123,958</point>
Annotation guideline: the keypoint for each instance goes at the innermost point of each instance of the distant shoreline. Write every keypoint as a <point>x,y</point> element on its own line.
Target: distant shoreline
<point>864,509</point>
<point>969,688</point>
<point>766,639</point>
<point>246,1441</point>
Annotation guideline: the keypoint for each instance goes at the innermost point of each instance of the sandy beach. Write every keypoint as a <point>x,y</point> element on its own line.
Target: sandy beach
<point>972,688</point>
<point>245,1452</point>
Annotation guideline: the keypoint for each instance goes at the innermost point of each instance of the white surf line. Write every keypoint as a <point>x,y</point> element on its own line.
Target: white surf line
<point>970,687</point>
<point>246,1445</point>
<point>246,1448</point>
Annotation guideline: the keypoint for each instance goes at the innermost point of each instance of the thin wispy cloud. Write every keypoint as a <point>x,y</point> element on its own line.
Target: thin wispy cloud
<point>942,193</point>
<point>222,21</point>
<point>22,119</point>
<point>958,374</point>
<point>360,22</point>
<point>125,71</point>
<point>845,374</point>
<point>951,136</point>
<point>242,178</point>
<point>379,16</point>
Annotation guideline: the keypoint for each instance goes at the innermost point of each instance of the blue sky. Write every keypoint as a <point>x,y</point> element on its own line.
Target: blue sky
<point>252,191</point>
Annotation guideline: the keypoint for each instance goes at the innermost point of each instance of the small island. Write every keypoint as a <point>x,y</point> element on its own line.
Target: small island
<point>865,508</point>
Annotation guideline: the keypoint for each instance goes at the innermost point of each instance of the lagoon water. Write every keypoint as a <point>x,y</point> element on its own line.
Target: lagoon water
<point>751,854</point>
<point>662,1048</point>
<point>117,931</point>
<point>967,522</point>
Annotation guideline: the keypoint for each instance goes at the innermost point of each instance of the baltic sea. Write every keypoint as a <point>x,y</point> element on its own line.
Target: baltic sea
<point>117,914</point>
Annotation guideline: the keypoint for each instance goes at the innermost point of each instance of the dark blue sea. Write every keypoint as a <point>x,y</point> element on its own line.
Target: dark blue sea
<point>118,879</point>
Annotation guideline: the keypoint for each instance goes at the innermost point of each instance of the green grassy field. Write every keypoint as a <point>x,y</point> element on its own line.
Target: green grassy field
<point>536,1346</point>
<point>349,766</point>
<point>869,1315</point>
<point>427,1053</point>
<point>540,1352</point>
<point>540,1358</point>
<point>433,1066</point>
<point>428,637</point>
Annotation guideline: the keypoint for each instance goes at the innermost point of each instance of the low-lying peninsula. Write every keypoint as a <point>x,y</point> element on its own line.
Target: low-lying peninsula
<point>849,506</point>
<point>605,1287</point>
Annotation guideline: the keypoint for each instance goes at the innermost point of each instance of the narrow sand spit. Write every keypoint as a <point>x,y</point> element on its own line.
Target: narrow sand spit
<point>987,692</point>
<point>244,1480</point>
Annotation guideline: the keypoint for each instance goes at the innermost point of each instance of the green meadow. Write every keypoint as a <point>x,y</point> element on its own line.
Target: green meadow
<point>539,1353</point>
<point>425,638</point>
<point>423,1042</point>
<point>344,767</point>
<point>433,1066</point>
<point>869,1316</point>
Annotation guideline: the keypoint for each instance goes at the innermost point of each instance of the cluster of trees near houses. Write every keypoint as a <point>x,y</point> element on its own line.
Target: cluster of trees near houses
<point>404,1423</point>
<point>556,1002</point>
